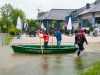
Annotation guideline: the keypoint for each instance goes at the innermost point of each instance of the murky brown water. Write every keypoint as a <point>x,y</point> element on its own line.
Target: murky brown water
<point>61,64</point>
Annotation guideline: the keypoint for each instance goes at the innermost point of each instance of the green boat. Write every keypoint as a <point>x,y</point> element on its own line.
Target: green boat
<point>37,49</point>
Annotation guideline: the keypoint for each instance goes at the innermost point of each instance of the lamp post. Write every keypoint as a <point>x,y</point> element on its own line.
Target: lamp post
<point>38,18</point>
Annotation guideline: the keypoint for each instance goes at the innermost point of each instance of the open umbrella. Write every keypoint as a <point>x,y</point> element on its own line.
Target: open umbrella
<point>69,26</point>
<point>19,23</point>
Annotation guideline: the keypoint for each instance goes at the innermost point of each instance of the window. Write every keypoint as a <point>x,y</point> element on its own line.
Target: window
<point>85,22</point>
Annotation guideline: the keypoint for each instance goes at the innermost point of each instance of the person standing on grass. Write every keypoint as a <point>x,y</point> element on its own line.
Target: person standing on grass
<point>79,40</point>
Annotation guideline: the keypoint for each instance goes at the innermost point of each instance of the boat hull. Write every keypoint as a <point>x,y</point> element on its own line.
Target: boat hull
<point>35,49</point>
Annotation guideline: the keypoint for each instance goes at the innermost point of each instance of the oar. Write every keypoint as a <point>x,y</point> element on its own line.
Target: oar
<point>41,44</point>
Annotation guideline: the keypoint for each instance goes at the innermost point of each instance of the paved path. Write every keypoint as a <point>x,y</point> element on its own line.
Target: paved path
<point>65,40</point>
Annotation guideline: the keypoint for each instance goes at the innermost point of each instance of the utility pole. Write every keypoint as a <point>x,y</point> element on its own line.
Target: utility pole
<point>38,17</point>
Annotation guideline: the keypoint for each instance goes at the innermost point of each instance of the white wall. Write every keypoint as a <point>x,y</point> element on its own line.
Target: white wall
<point>88,15</point>
<point>97,14</point>
<point>75,25</point>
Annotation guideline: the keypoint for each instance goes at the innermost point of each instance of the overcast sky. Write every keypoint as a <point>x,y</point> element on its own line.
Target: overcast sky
<point>30,6</point>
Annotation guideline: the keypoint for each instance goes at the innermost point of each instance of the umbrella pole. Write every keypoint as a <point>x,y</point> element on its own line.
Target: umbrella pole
<point>41,46</point>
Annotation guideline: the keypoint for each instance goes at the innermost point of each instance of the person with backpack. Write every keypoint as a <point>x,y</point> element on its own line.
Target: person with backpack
<point>80,38</point>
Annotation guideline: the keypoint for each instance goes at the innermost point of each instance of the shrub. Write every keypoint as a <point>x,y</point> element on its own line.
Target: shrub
<point>91,28</point>
<point>12,30</point>
<point>17,31</point>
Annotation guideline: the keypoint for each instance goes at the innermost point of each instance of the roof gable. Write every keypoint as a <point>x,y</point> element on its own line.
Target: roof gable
<point>93,8</point>
<point>57,14</point>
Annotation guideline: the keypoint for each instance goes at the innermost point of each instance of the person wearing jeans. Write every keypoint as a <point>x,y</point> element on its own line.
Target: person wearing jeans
<point>58,37</point>
<point>58,43</point>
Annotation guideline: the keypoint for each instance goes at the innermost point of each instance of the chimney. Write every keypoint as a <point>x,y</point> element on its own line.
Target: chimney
<point>87,5</point>
<point>96,2</point>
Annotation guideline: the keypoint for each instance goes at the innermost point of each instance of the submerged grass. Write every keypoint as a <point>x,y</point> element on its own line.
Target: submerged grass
<point>95,70</point>
<point>79,63</point>
<point>8,40</point>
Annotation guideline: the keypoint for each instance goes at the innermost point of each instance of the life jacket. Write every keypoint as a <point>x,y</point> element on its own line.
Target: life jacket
<point>46,38</point>
<point>80,37</point>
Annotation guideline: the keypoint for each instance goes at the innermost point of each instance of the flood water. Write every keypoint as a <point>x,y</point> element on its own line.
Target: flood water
<point>58,64</point>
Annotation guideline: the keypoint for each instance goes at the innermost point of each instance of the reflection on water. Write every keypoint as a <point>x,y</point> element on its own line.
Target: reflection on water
<point>45,65</point>
<point>79,64</point>
<point>3,36</point>
<point>29,64</point>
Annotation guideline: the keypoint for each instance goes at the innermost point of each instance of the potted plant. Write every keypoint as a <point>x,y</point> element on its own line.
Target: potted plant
<point>18,31</point>
<point>91,29</point>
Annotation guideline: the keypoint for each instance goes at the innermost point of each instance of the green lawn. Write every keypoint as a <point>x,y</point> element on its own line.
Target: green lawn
<point>94,70</point>
<point>8,40</point>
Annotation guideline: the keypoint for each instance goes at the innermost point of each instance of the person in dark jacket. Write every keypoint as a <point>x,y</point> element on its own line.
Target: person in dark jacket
<point>58,37</point>
<point>79,40</point>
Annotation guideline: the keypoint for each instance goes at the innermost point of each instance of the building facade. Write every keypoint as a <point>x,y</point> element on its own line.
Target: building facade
<point>57,15</point>
<point>90,13</point>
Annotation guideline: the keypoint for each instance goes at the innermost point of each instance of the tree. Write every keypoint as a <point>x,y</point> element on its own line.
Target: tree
<point>49,25</point>
<point>61,24</point>
<point>1,24</point>
<point>32,23</point>
<point>54,22</point>
<point>14,15</point>
<point>91,28</point>
<point>5,14</point>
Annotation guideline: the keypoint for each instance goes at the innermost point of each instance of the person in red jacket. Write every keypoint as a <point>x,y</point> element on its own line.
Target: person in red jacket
<point>46,38</point>
<point>79,40</point>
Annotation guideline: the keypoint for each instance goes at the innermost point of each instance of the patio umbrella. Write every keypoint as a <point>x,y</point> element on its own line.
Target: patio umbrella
<point>19,23</point>
<point>69,26</point>
<point>26,25</point>
<point>42,26</point>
